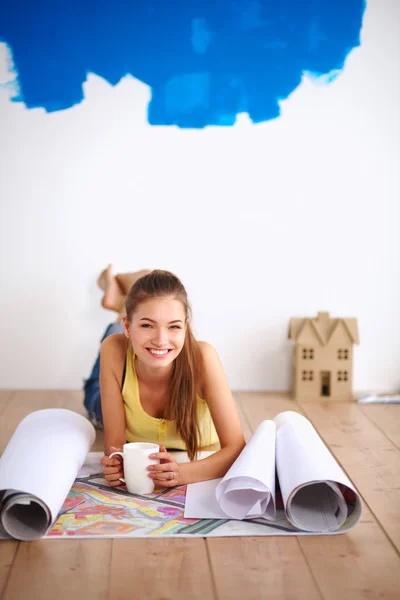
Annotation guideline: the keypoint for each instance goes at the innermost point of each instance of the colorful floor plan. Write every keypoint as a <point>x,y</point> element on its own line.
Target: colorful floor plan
<point>93,509</point>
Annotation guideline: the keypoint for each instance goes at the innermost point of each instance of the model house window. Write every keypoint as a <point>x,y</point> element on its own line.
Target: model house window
<point>307,375</point>
<point>343,375</point>
<point>308,353</point>
<point>343,354</point>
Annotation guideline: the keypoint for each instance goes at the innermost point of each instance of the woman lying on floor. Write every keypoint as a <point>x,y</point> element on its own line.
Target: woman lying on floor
<point>158,384</point>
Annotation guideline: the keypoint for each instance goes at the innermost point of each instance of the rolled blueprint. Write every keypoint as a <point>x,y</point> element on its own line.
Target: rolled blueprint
<point>317,495</point>
<point>38,469</point>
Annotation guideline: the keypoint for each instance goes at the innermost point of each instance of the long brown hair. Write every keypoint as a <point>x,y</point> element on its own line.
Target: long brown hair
<point>187,368</point>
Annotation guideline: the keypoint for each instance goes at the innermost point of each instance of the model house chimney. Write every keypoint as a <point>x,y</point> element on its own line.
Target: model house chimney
<point>323,316</point>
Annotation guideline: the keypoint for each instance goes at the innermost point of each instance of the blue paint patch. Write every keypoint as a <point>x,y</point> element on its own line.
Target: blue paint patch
<point>205,61</point>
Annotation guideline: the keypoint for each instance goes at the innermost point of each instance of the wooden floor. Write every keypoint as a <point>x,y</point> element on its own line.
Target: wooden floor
<point>361,564</point>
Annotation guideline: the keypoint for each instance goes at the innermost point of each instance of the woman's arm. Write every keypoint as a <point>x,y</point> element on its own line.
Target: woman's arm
<point>226,420</point>
<point>112,357</point>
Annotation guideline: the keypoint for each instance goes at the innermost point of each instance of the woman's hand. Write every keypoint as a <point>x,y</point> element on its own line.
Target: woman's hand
<point>166,474</point>
<point>113,468</point>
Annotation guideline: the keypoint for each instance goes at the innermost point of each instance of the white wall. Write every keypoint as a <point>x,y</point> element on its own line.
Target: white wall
<point>261,223</point>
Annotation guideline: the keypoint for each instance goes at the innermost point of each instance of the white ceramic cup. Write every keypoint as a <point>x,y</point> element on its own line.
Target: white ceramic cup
<point>136,460</point>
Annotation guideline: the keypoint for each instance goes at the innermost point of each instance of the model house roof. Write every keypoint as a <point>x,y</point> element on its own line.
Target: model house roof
<point>323,329</point>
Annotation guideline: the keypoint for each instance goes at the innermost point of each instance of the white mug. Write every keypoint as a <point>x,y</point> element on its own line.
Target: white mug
<point>136,460</point>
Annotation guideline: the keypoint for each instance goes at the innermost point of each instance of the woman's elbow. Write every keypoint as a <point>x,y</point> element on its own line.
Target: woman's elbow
<point>235,448</point>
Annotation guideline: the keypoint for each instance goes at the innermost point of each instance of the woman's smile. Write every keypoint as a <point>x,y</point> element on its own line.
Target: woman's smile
<point>158,353</point>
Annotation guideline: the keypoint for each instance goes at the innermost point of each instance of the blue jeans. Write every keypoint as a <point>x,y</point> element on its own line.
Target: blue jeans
<point>92,401</point>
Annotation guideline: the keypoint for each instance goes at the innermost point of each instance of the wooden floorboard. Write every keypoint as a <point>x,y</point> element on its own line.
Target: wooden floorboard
<point>362,564</point>
<point>368,456</point>
<point>24,402</point>
<point>5,399</point>
<point>358,565</point>
<point>176,569</point>
<point>60,570</point>
<point>251,568</point>
<point>386,417</point>
<point>8,551</point>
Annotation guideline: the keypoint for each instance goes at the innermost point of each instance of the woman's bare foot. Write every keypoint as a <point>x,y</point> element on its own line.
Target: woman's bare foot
<point>105,278</point>
<point>113,297</point>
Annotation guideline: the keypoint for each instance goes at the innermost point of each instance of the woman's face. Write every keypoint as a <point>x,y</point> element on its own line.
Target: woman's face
<point>157,331</point>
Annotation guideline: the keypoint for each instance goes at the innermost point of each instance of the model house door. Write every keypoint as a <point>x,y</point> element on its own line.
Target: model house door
<point>325,383</point>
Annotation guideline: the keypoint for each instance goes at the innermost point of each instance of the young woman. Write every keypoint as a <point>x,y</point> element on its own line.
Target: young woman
<point>158,384</point>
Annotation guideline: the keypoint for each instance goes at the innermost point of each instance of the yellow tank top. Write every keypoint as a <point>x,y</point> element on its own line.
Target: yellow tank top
<point>141,427</point>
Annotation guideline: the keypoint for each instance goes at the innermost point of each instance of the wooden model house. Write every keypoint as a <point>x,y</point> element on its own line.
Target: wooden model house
<point>323,357</point>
